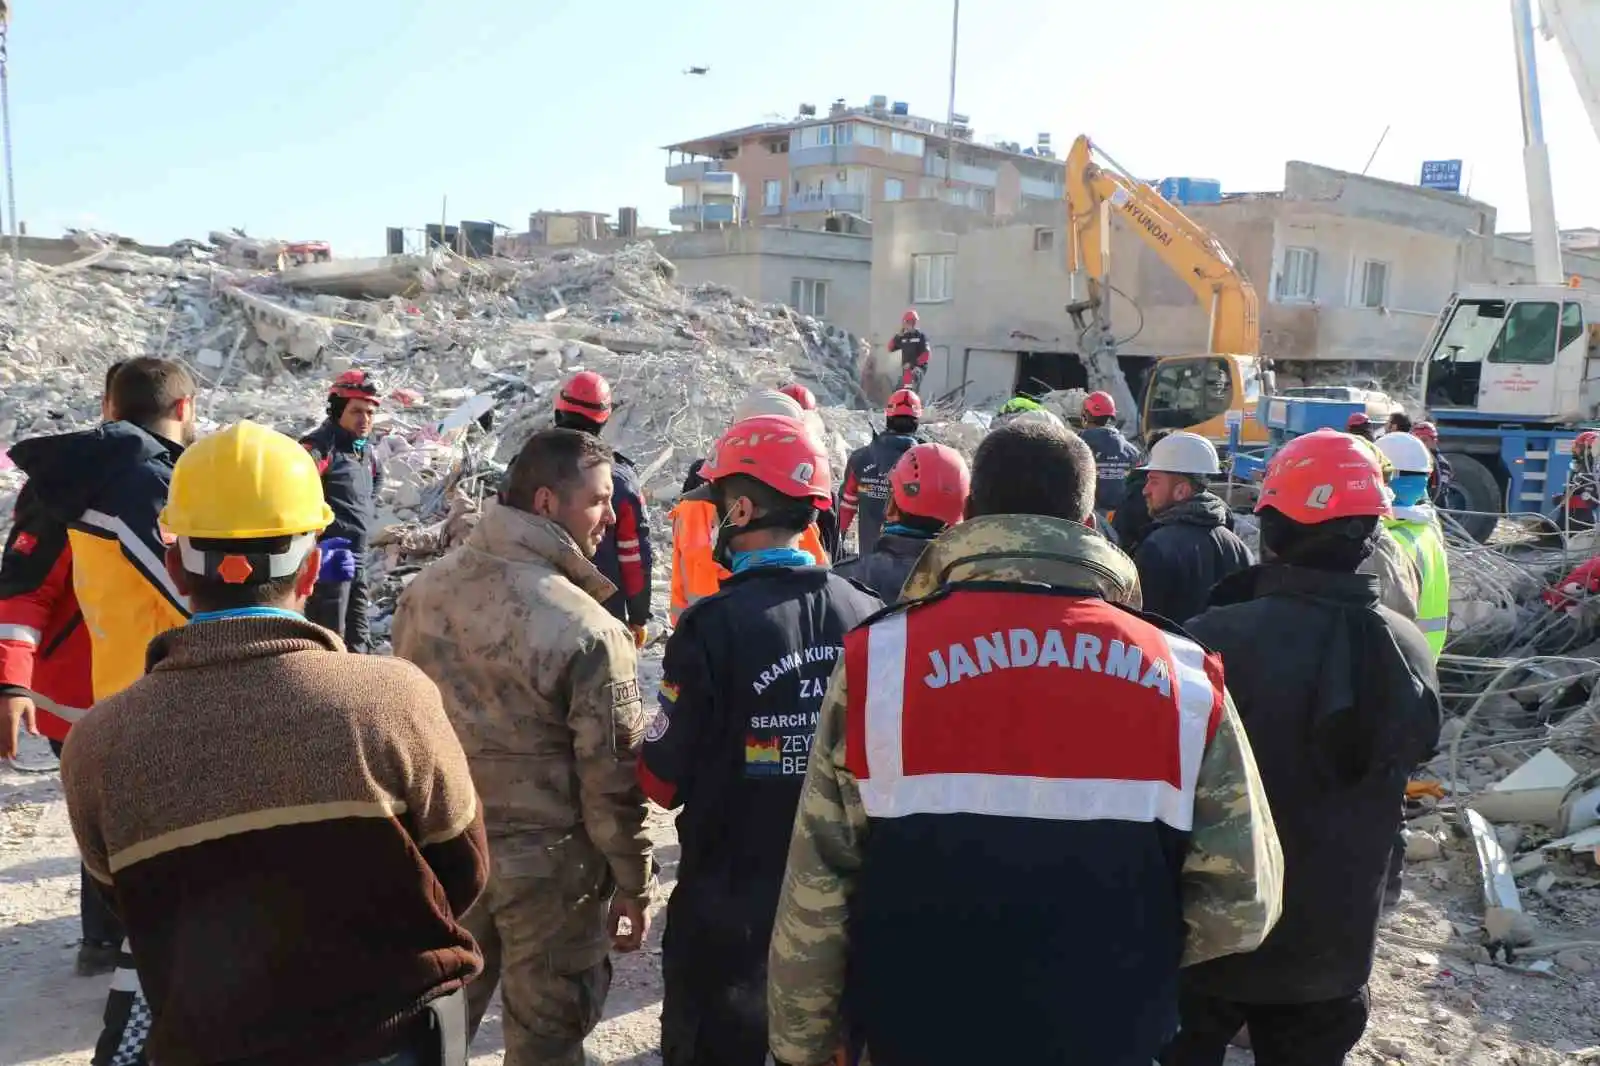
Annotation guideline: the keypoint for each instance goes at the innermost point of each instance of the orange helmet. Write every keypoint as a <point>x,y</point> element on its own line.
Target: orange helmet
<point>1322,476</point>
<point>587,394</point>
<point>909,318</point>
<point>1427,433</point>
<point>1099,405</point>
<point>778,452</point>
<point>903,404</point>
<point>800,395</point>
<point>354,385</point>
<point>931,481</point>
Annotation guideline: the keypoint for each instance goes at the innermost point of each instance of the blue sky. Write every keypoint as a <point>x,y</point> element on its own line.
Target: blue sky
<point>334,118</point>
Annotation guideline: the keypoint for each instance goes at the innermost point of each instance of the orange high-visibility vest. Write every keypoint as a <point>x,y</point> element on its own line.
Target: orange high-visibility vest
<point>695,574</point>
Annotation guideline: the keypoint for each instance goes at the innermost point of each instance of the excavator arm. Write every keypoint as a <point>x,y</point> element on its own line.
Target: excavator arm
<point>1097,190</point>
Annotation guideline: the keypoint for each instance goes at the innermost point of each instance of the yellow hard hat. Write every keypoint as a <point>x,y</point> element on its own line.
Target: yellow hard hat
<point>247,482</point>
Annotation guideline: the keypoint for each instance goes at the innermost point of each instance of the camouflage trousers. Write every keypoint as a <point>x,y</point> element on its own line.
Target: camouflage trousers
<point>541,923</point>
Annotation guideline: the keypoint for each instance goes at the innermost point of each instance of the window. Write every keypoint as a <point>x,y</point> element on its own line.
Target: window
<point>1298,279</point>
<point>1374,283</point>
<point>933,278</point>
<point>1571,324</point>
<point>905,143</point>
<point>1529,335</point>
<point>809,296</point>
<point>772,192</point>
<point>844,133</point>
<point>1044,239</point>
<point>894,189</point>
<point>1186,392</point>
<point>824,135</point>
<point>870,136</point>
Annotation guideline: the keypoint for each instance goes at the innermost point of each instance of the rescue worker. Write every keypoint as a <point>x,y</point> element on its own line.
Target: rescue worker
<point>626,555</point>
<point>1026,409</point>
<point>912,344</point>
<point>107,486</point>
<point>827,521</point>
<point>1359,425</point>
<point>541,684</point>
<point>696,573</point>
<point>1442,476</point>
<point>742,680</point>
<point>927,494</point>
<point>1399,422</point>
<point>1131,519</point>
<point>1340,701</point>
<point>1190,545</point>
<point>290,834</point>
<point>1415,526</point>
<point>45,679</point>
<point>351,478</point>
<point>1115,456</point>
<point>865,492</point>
<point>1399,580</point>
<point>1010,747</point>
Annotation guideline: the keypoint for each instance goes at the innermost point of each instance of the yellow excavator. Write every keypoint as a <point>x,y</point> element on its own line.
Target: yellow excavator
<point>1203,392</point>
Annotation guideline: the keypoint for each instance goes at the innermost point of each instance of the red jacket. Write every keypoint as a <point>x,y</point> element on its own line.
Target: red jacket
<point>44,645</point>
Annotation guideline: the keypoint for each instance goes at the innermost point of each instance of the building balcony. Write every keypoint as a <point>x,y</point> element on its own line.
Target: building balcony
<point>698,170</point>
<point>833,155</point>
<point>703,214</point>
<point>852,202</point>
<point>933,167</point>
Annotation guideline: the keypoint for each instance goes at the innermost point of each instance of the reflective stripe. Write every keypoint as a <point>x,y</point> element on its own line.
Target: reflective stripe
<point>623,557</point>
<point>628,543</point>
<point>154,569</point>
<point>22,634</point>
<point>887,792</point>
<point>1434,625</point>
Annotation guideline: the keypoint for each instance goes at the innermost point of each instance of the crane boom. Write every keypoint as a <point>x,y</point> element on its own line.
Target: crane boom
<point>1575,26</point>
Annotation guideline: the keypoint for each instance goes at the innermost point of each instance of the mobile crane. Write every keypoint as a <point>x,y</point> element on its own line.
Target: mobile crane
<point>1512,372</point>
<point>1203,392</point>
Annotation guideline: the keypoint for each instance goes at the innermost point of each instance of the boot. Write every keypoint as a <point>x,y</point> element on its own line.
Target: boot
<point>95,958</point>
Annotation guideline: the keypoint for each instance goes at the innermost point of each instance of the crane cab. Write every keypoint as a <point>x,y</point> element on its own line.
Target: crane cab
<point>1198,393</point>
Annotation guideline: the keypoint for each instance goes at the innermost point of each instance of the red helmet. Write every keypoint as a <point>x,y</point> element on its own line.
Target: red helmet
<point>931,481</point>
<point>800,395</point>
<point>1584,442</point>
<point>1427,433</point>
<point>909,318</point>
<point>1357,420</point>
<point>777,451</point>
<point>354,385</point>
<point>903,404</point>
<point>1099,405</point>
<point>1322,476</point>
<point>588,394</point>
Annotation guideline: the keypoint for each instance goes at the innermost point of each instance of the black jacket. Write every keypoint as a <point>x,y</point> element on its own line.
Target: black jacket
<point>864,493</point>
<point>1115,456</point>
<point>912,344</point>
<point>742,684</point>
<point>883,572</point>
<point>625,555</point>
<point>1132,520</point>
<point>350,483</point>
<point>1189,548</point>
<point>1339,698</point>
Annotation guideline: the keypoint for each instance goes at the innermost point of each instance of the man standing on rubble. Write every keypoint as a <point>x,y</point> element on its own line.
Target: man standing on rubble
<point>927,495</point>
<point>1339,697</point>
<point>866,476</point>
<point>45,677</point>
<point>743,676</point>
<point>291,835</point>
<point>1017,780</point>
<point>626,557</point>
<point>540,682</point>
<point>351,478</point>
<point>1191,544</point>
<point>108,485</point>
<point>912,344</point>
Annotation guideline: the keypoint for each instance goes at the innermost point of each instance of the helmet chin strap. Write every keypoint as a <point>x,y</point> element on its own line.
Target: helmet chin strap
<point>722,549</point>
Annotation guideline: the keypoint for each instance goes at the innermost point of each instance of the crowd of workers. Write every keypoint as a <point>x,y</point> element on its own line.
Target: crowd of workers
<point>1185,778</point>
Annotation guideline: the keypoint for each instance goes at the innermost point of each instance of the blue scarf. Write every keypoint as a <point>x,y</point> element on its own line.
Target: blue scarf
<point>743,561</point>
<point>244,612</point>
<point>906,531</point>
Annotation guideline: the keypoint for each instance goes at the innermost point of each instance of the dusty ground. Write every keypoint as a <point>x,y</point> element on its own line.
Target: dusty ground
<point>1435,998</point>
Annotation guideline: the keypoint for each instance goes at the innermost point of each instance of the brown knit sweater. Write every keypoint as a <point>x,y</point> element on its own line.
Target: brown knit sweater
<point>290,834</point>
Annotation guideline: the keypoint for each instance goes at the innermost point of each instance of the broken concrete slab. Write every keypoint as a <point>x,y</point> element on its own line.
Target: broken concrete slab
<point>374,278</point>
<point>1531,793</point>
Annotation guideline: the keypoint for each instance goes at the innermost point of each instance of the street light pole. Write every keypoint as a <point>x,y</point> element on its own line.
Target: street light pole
<point>950,116</point>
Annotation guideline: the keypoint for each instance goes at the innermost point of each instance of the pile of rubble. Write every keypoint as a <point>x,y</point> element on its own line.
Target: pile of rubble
<point>469,354</point>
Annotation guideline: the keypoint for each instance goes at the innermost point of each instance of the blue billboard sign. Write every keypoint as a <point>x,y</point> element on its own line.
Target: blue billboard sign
<point>1443,174</point>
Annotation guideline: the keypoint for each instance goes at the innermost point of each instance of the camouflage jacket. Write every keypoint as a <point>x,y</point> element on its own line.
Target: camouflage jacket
<point>1232,875</point>
<point>540,682</point>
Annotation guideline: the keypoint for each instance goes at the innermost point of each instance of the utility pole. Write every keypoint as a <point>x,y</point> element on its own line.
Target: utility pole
<point>5,128</point>
<point>950,116</point>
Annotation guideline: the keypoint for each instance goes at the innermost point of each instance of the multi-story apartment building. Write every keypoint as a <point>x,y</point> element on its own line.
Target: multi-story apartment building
<point>800,172</point>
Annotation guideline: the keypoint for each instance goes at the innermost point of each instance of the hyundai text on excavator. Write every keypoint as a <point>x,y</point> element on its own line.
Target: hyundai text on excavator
<point>1202,392</point>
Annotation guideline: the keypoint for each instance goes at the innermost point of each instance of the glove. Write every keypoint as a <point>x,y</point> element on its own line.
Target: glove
<point>641,635</point>
<point>338,561</point>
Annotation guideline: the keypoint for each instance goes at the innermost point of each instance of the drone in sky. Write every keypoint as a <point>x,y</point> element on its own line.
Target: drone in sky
<point>698,70</point>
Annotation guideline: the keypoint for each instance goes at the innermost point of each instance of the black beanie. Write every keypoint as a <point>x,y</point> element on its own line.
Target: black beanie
<point>1340,546</point>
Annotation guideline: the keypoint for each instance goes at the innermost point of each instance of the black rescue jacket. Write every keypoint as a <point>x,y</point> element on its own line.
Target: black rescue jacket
<point>1188,549</point>
<point>1115,456</point>
<point>1340,701</point>
<point>883,572</point>
<point>350,483</point>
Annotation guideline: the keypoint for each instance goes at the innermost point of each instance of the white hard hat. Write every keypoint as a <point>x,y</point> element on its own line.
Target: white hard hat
<point>1184,453</point>
<point>1406,453</point>
<point>767,402</point>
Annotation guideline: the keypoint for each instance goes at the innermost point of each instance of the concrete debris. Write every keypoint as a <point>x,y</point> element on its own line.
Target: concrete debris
<point>1531,793</point>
